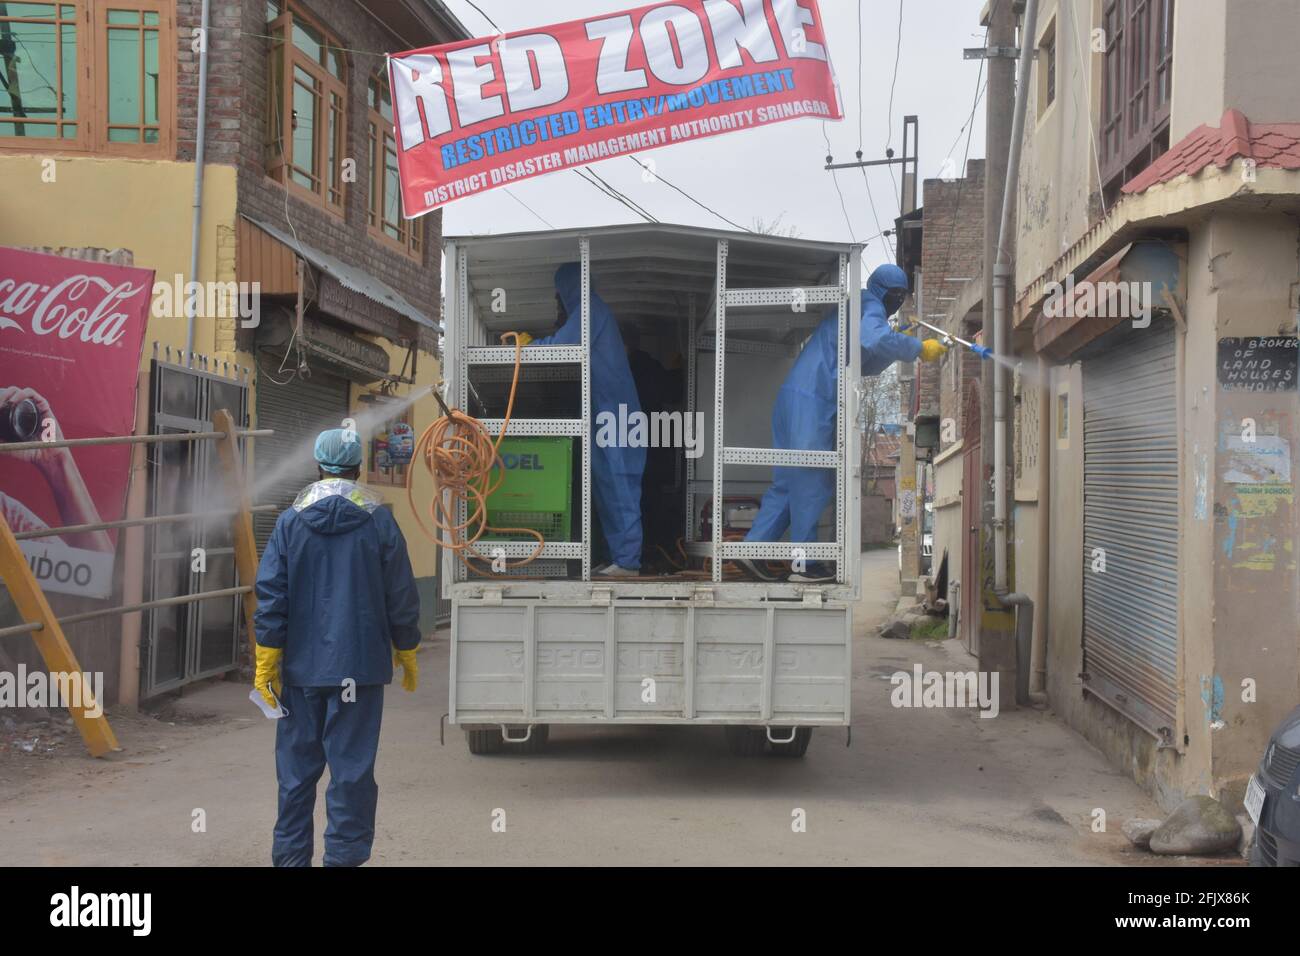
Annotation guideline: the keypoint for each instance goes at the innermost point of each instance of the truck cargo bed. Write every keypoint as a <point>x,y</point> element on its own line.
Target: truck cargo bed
<point>544,638</point>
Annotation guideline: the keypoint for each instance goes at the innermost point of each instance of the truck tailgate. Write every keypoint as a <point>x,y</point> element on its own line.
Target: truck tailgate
<point>643,662</point>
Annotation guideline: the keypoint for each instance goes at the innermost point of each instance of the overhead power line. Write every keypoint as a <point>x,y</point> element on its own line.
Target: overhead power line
<point>618,192</point>
<point>528,207</point>
<point>484,15</point>
<point>596,183</point>
<point>889,138</point>
<point>707,208</point>
<point>835,179</point>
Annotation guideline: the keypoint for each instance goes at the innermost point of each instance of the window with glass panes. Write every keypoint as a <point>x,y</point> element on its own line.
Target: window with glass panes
<point>91,75</point>
<point>306,107</point>
<point>385,207</point>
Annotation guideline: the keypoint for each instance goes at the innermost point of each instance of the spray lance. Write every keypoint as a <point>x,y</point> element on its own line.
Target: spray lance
<point>948,338</point>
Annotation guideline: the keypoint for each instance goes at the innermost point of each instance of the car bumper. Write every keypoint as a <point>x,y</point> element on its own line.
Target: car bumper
<point>1277,838</point>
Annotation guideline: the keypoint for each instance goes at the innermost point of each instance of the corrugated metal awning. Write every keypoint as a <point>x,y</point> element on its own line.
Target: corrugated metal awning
<point>350,277</point>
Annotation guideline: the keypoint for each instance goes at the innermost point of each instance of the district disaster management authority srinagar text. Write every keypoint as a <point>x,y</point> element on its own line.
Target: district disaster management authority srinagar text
<point>528,132</point>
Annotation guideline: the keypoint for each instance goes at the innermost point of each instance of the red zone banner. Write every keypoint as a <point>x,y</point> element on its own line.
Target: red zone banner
<point>478,114</point>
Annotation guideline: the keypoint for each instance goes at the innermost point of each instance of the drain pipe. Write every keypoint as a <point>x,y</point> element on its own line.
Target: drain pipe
<point>191,301</point>
<point>1002,273</point>
<point>1001,282</point>
<point>1038,655</point>
<point>954,608</point>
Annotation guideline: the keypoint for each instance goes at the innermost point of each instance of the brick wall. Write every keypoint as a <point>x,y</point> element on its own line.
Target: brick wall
<point>262,198</point>
<point>225,56</point>
<point>951,251</point>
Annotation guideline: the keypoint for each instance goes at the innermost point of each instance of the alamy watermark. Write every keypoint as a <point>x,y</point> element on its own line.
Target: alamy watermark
<point>59,689</point>
<point>133,911</point>
<point>208,300</point>
<point>651,430</point>
<point>923,688</point>
<point>1101,300</point>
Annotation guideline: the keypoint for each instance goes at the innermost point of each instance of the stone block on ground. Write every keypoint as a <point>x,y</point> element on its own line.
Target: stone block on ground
<point>1199,826</point>
<point>1139,831</point>
<point>895,629</point>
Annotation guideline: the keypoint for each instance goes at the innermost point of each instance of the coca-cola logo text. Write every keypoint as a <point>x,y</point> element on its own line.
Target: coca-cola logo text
<point>84,306</point>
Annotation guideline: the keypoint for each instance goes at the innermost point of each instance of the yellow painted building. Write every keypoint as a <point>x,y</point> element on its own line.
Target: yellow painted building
<point>97,161</point>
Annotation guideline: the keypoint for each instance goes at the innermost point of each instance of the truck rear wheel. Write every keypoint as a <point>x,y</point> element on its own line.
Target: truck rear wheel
<point>795,748</point>
<point>484,741</point>
<point>746,741</point>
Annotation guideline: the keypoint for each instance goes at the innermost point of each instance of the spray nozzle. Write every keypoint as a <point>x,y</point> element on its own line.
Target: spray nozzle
<point>982,352</point>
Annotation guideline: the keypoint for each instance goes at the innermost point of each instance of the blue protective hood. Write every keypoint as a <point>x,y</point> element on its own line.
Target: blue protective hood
<point>884,278</point>
<point>568,283</point>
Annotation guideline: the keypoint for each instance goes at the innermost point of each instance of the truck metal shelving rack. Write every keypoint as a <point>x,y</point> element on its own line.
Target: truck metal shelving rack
<point>767,660</point>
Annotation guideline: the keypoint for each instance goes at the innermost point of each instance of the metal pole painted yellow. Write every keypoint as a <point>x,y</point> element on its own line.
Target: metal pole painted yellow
<point>54,647</point>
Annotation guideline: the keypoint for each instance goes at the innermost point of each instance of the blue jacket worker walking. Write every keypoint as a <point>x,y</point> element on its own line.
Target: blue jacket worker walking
<point>336,609</point>
<point>803,416</point>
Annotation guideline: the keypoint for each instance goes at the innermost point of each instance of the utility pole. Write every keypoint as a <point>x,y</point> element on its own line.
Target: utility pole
<point>909,485</point>
<point>996,626</point>
<point>907,190</point>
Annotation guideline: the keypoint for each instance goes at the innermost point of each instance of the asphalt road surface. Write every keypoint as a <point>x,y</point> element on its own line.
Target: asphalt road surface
<point>195,785</point>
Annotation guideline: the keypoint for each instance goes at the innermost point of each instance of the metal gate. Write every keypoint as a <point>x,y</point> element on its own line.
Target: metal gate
<point>297,411</point>
<point>188,642</point>
<point>1130,524</point>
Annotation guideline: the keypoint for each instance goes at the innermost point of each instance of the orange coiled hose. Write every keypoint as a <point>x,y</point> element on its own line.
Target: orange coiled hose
<point>460,455</point>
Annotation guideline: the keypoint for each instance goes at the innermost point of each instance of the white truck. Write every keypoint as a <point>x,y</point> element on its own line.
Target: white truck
<point>697,642</point>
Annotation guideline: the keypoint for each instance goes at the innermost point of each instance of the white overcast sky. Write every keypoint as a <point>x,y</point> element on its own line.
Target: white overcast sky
<point>773,171</point>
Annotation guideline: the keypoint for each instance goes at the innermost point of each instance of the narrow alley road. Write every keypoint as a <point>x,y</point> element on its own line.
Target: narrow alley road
<point>917,787</point>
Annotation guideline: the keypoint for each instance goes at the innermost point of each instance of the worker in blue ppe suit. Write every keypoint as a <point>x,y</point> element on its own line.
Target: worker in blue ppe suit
<point>804,415</point>
<point>336,609</point>
<point>616,469</point>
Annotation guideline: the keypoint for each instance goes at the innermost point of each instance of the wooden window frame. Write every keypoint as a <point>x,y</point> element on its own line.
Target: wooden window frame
<point>329,191</point>
<point>1137,87</point>
<point>91,20</point>
<point>410,239</point>
<point>1047,69</point>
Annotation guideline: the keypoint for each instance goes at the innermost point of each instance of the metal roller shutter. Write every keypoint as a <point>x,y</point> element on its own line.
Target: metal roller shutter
<point>1130,509</point>
<point>284,465</point>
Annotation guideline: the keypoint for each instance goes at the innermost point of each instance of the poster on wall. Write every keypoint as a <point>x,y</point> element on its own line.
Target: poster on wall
<point>71,332</point>
<point>478,114</point>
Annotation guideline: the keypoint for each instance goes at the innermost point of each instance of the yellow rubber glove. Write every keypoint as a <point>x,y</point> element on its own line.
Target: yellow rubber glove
<point>410,668</point>
<point>932,350</point>
<point>266,675</point>
<point>523,338</point>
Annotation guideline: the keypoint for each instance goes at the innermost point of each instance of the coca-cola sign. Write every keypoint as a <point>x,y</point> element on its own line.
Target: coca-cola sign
<point>71,333</point>
<point>87,306</point>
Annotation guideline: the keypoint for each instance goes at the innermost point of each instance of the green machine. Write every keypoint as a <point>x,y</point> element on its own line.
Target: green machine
<point>537,492</point>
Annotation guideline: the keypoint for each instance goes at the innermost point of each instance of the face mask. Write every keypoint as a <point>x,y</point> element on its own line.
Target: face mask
<point>894,299</point>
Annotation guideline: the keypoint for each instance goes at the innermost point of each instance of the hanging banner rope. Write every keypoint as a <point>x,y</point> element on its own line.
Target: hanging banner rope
<point>477,114</point>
